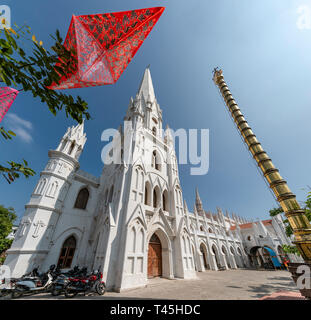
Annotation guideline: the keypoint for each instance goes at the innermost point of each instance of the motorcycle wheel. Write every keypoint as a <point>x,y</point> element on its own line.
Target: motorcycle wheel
<point>70,293</point>
<point>55,292</point>
<point>4,292</point>
<point>16,294</point>
<point>100,288</point>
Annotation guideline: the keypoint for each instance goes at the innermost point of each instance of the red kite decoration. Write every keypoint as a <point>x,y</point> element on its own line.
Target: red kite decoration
<point>105,44</point>
<point>7,96</point>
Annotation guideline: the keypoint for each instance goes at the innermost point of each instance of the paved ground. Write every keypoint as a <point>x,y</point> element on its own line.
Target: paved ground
<point>211,285</point>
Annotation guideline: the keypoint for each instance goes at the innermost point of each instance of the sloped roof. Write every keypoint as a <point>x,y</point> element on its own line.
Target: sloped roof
<point>249,225</point>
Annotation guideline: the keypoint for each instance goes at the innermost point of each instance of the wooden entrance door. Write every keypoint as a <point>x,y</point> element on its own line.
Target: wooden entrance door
<point>154,257</point>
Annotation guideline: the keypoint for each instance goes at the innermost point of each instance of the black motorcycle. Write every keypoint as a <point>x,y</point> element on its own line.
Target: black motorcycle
<point>62,279</point>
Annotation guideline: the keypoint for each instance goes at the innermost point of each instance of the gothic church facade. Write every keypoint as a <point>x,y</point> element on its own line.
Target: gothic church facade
<point>131,221</point>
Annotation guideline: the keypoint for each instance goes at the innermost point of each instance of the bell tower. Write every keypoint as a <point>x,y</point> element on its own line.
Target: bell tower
<point>33,238</point>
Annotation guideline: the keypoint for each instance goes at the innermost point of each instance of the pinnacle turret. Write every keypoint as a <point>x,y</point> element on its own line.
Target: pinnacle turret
<point>198,202</point>
<point>73,141</point>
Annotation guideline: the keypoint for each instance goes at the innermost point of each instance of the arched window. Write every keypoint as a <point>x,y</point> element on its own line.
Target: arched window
<point>67,252</point>
<point>210,230</point>
<point>133,240</point>
<point>153,159</point>
<point>110,195</point>
<point>82,199</point>
<point>147,194</point>
<point>201,228</point>
<point>137,177</point>
<point>154,131</point>
<point>155,200</point>
<point>71,147</point>
<point>141,240</point>
<point>156,161</point>
<point>156,197</point>
<point>63,145</point>
<point>41,186</point>
<point>165,200</point>
<point>53,189</point>
<point>232,250</point>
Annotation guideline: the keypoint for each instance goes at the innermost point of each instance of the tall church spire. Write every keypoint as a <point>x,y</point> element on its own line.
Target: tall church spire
<point>198,202</point>
<point>145,105</point>
<point>146,87</point>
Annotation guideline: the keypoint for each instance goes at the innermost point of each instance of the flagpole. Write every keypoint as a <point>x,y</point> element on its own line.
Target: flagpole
<point>296,215</point>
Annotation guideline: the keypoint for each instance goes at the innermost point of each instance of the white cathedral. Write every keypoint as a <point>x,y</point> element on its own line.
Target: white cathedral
<point>132,220</point>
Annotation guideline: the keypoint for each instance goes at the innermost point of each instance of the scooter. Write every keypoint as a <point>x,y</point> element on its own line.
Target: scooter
<point>34,285</point>
<point>10,285</point>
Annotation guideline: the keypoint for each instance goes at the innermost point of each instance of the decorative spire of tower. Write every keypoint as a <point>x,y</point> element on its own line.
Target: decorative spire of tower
<point>145,106</point>
<point>168,136</point>
<point>185,207</point>
<point>198,202</point>
<point>73,141</point>
<point>138,106</point>
<point>228,217</point>
<point>146,87</point>
<point>262,228</point>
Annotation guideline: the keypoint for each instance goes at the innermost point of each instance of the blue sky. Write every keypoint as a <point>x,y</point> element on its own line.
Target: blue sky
<point>266,61</point>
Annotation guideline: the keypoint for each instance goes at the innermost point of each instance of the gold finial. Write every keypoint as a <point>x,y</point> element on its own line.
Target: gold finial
<point>216,74</point>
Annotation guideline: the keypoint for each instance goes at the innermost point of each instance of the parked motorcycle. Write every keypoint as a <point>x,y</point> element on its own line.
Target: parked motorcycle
<point>62,279</point>
<point>93,282</point>
<point>34,285</point>
<point>8,288</point>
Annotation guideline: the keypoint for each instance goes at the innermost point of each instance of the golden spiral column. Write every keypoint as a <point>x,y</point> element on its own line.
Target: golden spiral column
<point>296,216</point>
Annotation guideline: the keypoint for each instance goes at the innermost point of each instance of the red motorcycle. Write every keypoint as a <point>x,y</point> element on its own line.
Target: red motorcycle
<point>93,282</point>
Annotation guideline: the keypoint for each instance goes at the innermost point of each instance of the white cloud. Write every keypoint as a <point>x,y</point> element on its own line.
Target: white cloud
<point>304,19</point>
<point>21,127</point>
<point>19,121</point>
<point>23,134</point>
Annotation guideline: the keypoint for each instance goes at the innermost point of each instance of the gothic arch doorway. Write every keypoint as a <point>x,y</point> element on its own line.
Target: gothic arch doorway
<point>204,256</point>
<point>261,258</point>
<point>67,252</point>
<point>154,257</point>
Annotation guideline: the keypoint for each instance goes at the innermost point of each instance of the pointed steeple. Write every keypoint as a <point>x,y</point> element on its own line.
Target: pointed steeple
<point>146,87</point>
<point>198,202</point>
<point>195,210</point>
